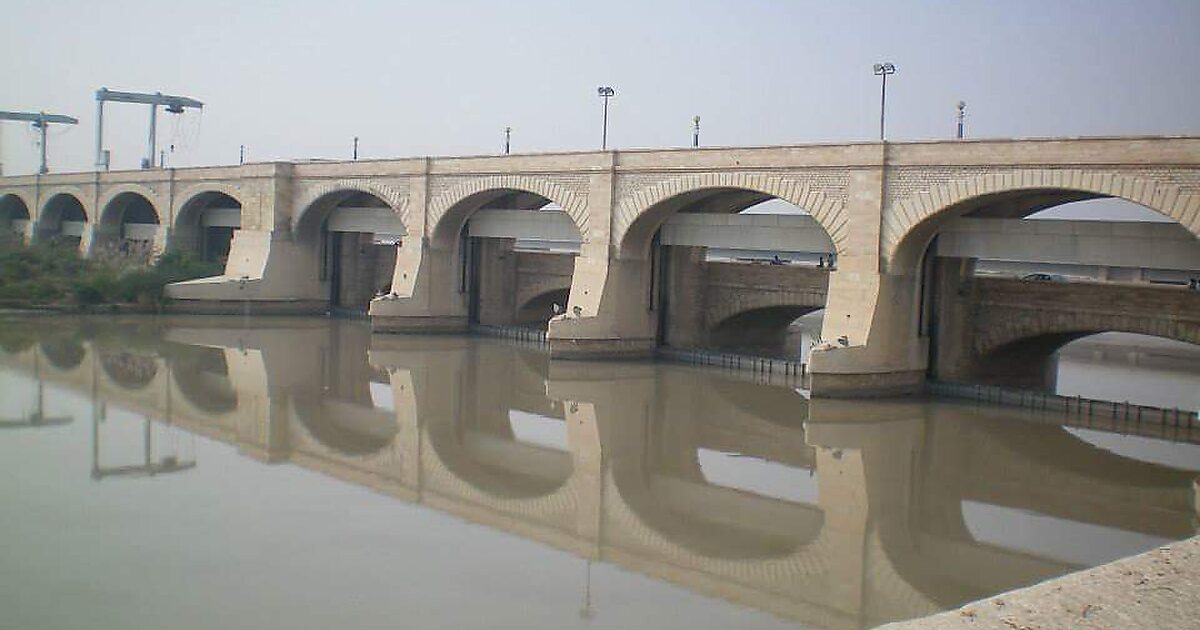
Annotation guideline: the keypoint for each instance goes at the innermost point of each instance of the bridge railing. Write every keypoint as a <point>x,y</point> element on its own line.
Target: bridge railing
<point>1119,417</point>
<point>772,370</point>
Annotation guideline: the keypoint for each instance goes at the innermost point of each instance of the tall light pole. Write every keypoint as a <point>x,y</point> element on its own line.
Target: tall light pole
<point>883,70</point>
<point>507,139</point>
<point>695,131</point>
<point>605,93</point>
<point>962,115</point>
<point>355,148</point>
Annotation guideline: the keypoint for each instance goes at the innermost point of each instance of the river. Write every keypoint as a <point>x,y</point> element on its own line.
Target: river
<point>292,473</point>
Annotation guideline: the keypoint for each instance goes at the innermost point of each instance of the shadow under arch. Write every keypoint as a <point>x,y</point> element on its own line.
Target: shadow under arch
<point>762,330</point>
<point>537,310</point>
<point>205,224</point>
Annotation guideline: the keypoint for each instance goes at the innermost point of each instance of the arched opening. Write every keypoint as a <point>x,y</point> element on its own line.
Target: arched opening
<point>64,353</point>
<point>1111,366</point>
<point>129,225</point>
<point>513,248</point>
<point>1009,277</point>
<point>14,218</point>
<point>63,220</point>
<point>355,235</point>
<point>537,311</point>
<point>734,270</point>
<point>206,224</point>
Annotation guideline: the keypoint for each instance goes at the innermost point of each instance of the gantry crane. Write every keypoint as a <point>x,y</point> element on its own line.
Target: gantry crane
<point>173,104</point>
<point>40,121</point>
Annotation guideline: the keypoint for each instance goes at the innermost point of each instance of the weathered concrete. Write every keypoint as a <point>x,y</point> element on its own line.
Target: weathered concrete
<point>880,204</point>
<point>1157,589</point>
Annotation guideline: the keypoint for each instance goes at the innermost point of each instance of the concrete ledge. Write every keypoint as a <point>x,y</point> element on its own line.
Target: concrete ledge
<point>1157,589</point>
<point>419,324</point>
<point>601,348</point>
<point>247,307</point>
<point>868,385</point>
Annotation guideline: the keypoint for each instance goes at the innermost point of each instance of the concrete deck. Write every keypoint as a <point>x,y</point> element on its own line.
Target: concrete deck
<point>1157,589</point>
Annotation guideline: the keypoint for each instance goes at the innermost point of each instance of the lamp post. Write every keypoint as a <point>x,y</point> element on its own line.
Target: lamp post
<point>507,139</point>
<point>695,131</point>
<point>605,93</point>
<point>883,70</point>
<point>962,115</point>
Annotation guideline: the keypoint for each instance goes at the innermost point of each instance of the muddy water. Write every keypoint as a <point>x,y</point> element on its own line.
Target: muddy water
<point>302,473</point>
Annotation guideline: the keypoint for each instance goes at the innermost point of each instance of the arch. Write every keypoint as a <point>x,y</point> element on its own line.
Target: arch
<point>122,190</point>
<point>539,308</point>
<point>911,223</point>
<point>192,233</point>
<point>59,208</point>
<point>14,214</point>
<point>1011,358</point>
<point>314,206</point>
<point>639,215</point>
<point>762,330</point>
<point>450,211</point>
<point>130,206</point>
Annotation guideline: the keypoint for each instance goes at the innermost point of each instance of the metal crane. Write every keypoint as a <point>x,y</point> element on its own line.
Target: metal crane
<point>173,104</point>
<point>40,121</point>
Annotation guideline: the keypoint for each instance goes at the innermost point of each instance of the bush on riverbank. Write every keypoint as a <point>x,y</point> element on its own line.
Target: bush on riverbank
<point>54,274</point>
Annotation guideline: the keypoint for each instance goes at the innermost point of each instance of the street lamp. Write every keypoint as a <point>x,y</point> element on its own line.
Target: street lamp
<point>507,139</point>
<point>605,93</point>
<point>962,114</point>
<point>695,131</point>
<point>883,70</point>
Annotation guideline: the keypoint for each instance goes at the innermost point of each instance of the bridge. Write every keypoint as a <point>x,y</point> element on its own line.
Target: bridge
<point>305,237</point>
<point>885,533</point>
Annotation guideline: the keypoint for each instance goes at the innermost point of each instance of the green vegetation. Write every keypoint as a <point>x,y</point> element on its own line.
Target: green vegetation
<point>54,274</point>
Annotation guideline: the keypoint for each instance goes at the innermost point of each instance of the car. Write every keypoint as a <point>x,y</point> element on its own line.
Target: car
<point>1044,277</point>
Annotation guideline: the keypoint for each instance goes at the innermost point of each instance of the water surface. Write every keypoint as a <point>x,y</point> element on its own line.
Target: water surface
<point>302,473</point>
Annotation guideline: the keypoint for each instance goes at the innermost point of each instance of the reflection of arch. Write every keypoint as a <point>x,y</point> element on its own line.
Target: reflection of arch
<point>128,370</point>
<point>202,376</point>
<point>449,212</point>
<point>345,427</point>
<point>640,216</point>
<point>64,353</point>
<point>917,218</point>
<point>488,458</point>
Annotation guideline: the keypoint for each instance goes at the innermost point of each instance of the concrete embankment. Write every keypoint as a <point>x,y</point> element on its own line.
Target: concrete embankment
<point>1157,589</point>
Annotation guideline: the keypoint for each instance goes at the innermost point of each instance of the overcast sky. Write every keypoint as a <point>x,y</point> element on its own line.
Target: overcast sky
<point>300,79</point>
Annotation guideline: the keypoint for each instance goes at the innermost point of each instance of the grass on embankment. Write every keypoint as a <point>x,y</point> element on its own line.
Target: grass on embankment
<point>54,275</point>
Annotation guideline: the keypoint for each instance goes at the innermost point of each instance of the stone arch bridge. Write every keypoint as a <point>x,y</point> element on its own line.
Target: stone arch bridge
<point>880,205</point>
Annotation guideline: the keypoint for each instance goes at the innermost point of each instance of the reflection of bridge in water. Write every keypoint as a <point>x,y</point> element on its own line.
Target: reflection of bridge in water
<point>626,477</point>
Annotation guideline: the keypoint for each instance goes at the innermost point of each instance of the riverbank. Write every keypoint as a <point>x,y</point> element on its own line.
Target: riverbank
<point>54,277</point>
<point>1157,589</point>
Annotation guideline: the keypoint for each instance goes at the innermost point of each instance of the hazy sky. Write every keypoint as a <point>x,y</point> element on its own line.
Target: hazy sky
<point>300,79</point>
